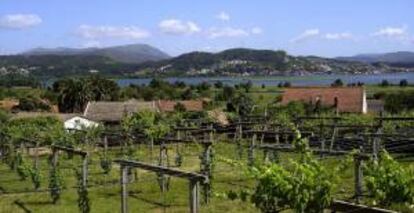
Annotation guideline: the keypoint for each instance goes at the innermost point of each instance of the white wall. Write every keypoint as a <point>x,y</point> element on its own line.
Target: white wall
<point>78,122</point>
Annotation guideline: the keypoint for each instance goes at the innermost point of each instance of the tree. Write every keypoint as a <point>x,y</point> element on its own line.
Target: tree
<point>32,104</point>
<point>74,93</point>
<point>286,84</point>
<point>218,85</point>
<point>337,83</point>
<point>227,93</point>
<point>153,125</point>
<point>384,83</point>
<point>242,104</point>
<point>403,83</point>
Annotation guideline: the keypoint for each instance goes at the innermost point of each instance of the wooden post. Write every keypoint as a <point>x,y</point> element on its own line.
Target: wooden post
<point>206,170</point>
<point>36,156</point>
<point>250,153</point>
<point>265,155</point>
<point>211,133</point>
<point>54,158</point>
<point>124,189</point>
<point>162,155</point>
<point>105,145</point>
<point>333,135</point>
<point>85,170</point>
<point>358,177</point>
<point>194,196</point>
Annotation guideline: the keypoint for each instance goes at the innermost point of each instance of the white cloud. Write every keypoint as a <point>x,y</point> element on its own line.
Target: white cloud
<point>124,32</point>
<point>306,35</point>
<point>338,36</point>
<point>257,30</point>
<point>391,32</point>
<point>223,16</point>
<point>19,21</point>
<point>178,27</point>
<point>226,32</point>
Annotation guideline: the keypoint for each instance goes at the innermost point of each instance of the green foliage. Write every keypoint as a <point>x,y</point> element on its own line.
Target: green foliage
<point>83,199</point>
<point>403,83</point>
<point>397,102</point>
<point>35,177</point>
<point>55,184</point>
<point>304,185</point>
<point>74,94</point>
<point>153,125</point>
<point>358,119</point>
<point>388,182</point>
<point>106,164</point>
<point>18,80</point>
<point>337,83</point>
<point>241,104</point>
<point>384,83</point>
<point>33,104</point>
<point>4,117</point>
<point>22,167</point>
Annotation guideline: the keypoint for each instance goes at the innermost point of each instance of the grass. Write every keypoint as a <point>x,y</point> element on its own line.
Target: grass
<point>144,192</point>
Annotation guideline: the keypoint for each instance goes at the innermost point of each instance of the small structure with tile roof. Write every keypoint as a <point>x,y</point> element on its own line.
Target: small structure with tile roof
<point>344,99</point>
<point>113,112</point>
<point>190,105</point>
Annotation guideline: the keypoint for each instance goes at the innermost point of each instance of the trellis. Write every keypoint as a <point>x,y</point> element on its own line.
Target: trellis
<point>194,180</point>
<point>83,154</point>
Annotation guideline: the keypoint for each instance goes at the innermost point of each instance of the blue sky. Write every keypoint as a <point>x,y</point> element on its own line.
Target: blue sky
<point>301,27</point>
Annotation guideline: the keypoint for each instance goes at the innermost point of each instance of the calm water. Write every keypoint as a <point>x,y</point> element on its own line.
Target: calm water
<point>318,80</point>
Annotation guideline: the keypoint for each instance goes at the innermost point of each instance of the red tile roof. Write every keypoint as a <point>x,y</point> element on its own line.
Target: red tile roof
<point>168,106</point>
<point>350,99</point>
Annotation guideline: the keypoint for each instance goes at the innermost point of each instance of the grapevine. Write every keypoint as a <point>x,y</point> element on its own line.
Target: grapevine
<point>55,185</point>
<point>83,199</point>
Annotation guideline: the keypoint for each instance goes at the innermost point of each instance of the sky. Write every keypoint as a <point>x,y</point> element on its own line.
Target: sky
<point>326,28</point>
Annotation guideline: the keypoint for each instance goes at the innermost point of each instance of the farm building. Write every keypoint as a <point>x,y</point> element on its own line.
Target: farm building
<point>344,99</point>
<point>113,112</point>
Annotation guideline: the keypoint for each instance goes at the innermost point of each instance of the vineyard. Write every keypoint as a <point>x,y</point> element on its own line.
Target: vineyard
<point>170,163</point>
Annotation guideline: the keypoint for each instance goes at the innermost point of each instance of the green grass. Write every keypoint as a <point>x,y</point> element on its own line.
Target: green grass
<point>145,195</point>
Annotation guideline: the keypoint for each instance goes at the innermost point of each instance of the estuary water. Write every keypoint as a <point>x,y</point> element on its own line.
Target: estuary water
<point>314,80</point>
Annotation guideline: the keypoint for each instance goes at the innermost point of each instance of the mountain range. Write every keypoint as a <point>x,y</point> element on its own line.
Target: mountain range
<point>401,57</point>
<point>144,60</point>
<point>134,53</point>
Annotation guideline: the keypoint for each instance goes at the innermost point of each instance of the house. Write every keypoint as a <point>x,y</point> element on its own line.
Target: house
<point>79,123</point>
<point>112,112</point>
<point>344,99</point>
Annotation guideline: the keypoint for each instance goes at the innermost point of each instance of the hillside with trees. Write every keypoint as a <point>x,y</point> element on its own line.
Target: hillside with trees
<point>127,62</point>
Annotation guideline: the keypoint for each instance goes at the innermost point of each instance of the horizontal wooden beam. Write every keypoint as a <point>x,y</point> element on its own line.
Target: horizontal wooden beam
<point>343,206</point>
<point>285,148</point>
<point>69,149</point>
<point>318,118</point>
<point>164,170</point>
<point>395,118</point>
